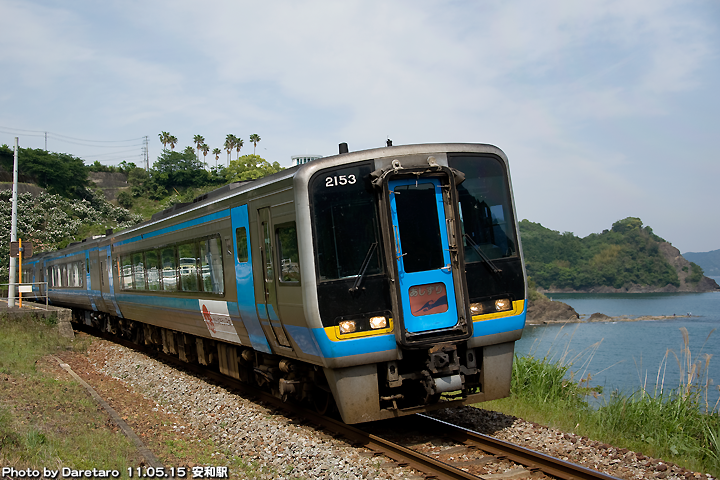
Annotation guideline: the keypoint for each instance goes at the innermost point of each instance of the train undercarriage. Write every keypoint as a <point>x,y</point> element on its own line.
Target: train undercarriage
<point>424,379</point>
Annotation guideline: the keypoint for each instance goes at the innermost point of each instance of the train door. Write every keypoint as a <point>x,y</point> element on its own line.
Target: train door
<point>268,309</point>
<point>425,275</point>
<point>244,278</point>
<point>106,281</point>
<point>90,279</point>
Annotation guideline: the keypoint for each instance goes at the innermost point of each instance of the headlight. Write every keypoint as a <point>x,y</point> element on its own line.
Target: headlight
<point>476,308</point>
<point>378,322</point>
<point>347,326</point>
<point>503,304</point>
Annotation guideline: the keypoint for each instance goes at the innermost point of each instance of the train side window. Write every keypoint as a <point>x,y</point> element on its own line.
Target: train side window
<point>151,266</point>
<point>188,267</point>
<point>211,265</point>
<point>241,241</point>
<point>74,274</point>
<point>138,271</point>
<point>64,273</point>
<point>169,269</point>
<point>286,237</point>
<point>126,273</point>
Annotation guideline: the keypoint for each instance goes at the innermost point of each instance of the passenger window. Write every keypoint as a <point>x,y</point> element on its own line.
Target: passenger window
<point>138,271</point>
<point>126,273</point>
<point>241,241</point>
<point>169,269</point>
<point>188,267</point>
<point>153,274</point>
<point>212,266</point>
<point>286,237</point>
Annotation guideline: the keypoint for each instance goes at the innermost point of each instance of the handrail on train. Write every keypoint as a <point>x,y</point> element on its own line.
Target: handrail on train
<point>27,287</point>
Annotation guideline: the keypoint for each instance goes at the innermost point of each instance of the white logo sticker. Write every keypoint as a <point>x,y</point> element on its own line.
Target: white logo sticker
<point>216,317</point>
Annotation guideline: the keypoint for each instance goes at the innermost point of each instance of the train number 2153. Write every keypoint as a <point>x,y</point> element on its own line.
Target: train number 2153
<point>340,180</point>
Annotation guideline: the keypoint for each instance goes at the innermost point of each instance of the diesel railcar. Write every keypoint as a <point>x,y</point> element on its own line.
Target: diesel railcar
<point>386,282</point>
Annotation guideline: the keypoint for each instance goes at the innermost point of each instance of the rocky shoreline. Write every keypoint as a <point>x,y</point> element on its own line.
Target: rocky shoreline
<point>543,312</point>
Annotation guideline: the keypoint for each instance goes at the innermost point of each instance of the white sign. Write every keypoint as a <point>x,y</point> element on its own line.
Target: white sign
<point>216,317</point>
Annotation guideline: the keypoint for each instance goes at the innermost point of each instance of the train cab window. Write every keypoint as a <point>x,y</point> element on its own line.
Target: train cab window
<point>419,228</point>
<point>211,266</point>
<point>188,267</point>
<point>286,237</point>
<point>152,270</point>
<point>169,269</point>
<point>241,242</point>
<point>485,208</point>
<point>345,220</point>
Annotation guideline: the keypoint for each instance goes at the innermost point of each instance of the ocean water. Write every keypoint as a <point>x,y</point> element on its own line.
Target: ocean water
<point>628,356</point>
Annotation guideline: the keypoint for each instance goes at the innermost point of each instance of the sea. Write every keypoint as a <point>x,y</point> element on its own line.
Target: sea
<point>635,355</point>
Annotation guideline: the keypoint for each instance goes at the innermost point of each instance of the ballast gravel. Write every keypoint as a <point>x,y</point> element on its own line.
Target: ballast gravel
<point>271,446</point>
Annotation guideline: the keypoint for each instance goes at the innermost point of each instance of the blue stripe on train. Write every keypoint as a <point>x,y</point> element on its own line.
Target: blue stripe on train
<point>179,226</point>
<point>380,343</point>
<point>499,325</point>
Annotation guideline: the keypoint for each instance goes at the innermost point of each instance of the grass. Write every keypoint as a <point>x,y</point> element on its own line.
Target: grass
<point>676,424</point>
<point>51,423</point>
<point>46,422</point>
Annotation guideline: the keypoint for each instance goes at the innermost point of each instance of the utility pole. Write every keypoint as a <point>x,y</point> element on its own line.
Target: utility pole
<point>147,155</point>
<point>46,141</point>
<point>13,229</point>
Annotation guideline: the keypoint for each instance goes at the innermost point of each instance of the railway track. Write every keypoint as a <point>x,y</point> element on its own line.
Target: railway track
<point>434,448</point>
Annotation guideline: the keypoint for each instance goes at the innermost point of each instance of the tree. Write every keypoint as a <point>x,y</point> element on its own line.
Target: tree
<point>199,141</point>
<point>179,169</point>
<point>250,167</point>
<point>230,141</point>
<point>164,139</point>
<point>216,152</point>
<point>205,149</point>
<point>172,140</point>
<point>254,138</point>
<point>238,145</point>
<point>58,173</point>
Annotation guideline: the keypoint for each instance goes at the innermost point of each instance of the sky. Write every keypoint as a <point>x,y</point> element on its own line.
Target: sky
<point>605,109</point>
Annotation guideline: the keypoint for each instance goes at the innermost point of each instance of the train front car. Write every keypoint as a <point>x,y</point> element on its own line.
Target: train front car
<point>418,287</point>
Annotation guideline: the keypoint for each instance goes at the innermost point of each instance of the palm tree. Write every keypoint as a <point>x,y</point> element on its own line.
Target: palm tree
<point>216,152</point>
<point>172,140</point>
<point>164,139</point>
<point>230,140</point>
<point>254,138</point>
<point>205,149</point>
<point>238,145</point>
<point>199,140</point>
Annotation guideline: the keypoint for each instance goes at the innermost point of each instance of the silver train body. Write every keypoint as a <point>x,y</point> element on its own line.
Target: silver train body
<point>388,281</point>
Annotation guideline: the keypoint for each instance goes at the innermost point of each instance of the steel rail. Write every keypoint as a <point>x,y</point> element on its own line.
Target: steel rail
<point>530,458</point>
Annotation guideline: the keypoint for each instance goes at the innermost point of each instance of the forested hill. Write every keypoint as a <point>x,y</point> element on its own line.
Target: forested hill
<point>627,258</point>
<point>709,261</point>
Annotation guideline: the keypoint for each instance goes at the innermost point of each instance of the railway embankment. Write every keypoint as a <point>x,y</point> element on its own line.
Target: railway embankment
<point>187,421</point>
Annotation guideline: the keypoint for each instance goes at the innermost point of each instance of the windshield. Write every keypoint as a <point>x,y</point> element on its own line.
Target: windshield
<point>485,208</point>
<point>344,210</point>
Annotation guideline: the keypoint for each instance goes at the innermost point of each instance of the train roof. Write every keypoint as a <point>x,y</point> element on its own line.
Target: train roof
<point>307,170</point>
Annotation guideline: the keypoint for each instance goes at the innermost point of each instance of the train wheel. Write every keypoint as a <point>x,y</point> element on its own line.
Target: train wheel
<point>323,401</point>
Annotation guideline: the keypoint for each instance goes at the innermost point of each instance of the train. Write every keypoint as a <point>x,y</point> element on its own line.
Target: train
<point>375,283</point>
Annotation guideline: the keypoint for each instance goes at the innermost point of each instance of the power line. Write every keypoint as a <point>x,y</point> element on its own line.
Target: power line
<point>59,136</point>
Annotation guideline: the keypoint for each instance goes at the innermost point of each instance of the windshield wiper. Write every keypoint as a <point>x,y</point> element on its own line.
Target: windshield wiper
<point>363,268</point>
<point>493,268</point>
